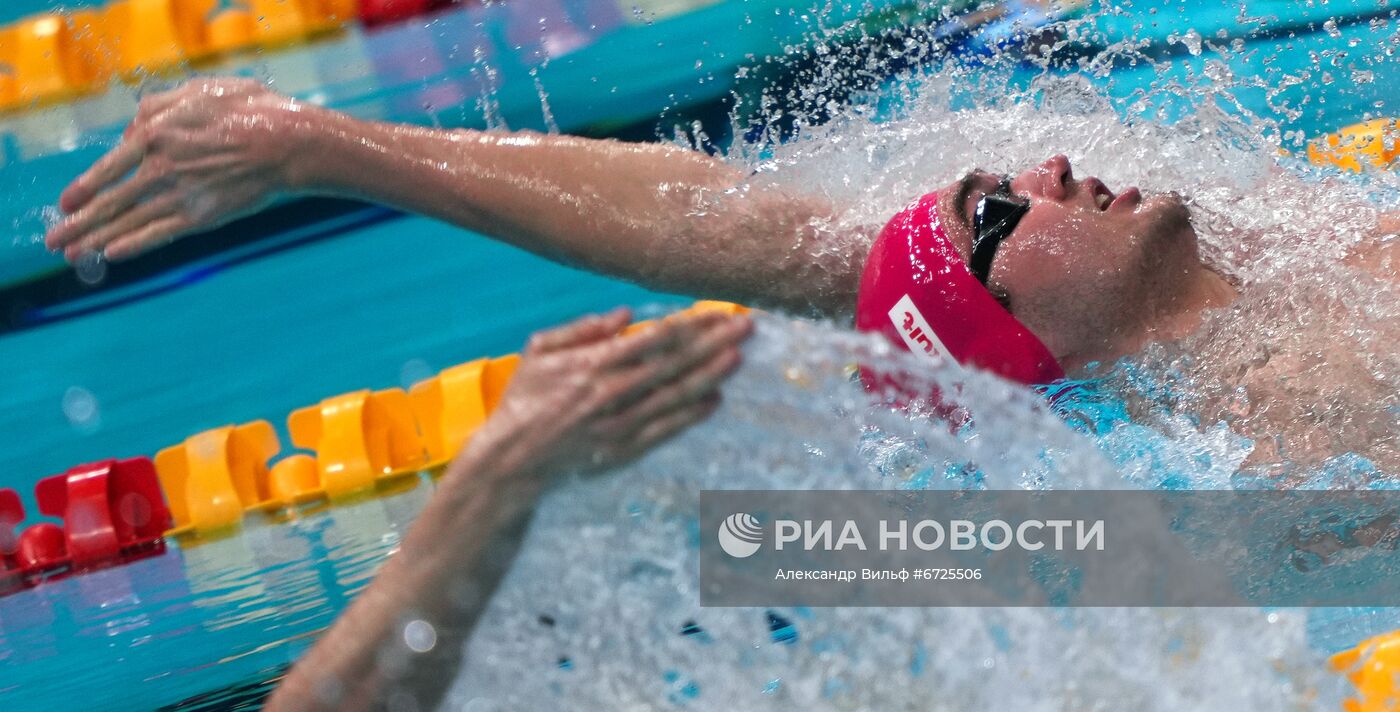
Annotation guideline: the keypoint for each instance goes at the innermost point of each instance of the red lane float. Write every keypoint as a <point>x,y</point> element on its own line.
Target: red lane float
<point>116,511</point>
<point>382,12</point>
<point>113,512</point>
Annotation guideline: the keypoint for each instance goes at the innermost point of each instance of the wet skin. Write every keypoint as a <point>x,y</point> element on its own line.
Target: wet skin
<point>1092,272</point>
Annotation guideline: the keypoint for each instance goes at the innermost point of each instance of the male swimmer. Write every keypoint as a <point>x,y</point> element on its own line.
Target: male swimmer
<point>1032,276</point>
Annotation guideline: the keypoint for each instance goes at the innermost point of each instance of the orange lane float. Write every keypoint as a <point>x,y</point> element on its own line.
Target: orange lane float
<point>267,23</point>
<point>295,479</point>
<point>147,36</point>
<point>1373,667</point>
<point>700,306</point>
<point>213,477</point>
<point>1371,144</point>
<point>112,513</point>
<point>55,57</point>
<point>9,82</point>
<point>453,404</point>
<point>229,29</point>
<point>325,15</point>
<point>155,36</point>
<point>92,50</point>
<point>360,439</point>
<point>279,22</point>
<point>51,58</point>
<point>38,59</point>
<point>365,441</point>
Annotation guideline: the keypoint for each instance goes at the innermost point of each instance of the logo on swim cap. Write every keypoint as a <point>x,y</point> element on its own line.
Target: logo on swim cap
<point>914,329</point>
<point>740,535</point>
<point>917,291</point>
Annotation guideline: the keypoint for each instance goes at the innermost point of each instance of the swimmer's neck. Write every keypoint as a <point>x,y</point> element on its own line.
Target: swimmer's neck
<point>1173,319</point>
<point>1208,290</point>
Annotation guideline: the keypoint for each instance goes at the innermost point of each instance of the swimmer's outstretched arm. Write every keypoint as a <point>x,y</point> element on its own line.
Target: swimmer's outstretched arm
<point>665,217</point>
<point>583,399</point>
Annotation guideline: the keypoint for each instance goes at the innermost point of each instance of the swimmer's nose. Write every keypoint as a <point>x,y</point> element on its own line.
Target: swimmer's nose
<point>1050,179</point>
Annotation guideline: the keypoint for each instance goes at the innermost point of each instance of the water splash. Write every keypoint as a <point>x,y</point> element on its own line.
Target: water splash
<point>613,563</point>
<point>1203,412</point>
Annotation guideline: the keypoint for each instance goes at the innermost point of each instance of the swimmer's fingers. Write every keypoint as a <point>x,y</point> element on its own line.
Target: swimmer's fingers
<point>698,383</point>
<point>139,216</point>
<point>666,336</point>
<point>580,332</point>
<point>101,175</point>
<point>665,427</point>
<point>721,335</point>
<point>161,231</point>
<point>106,207</point>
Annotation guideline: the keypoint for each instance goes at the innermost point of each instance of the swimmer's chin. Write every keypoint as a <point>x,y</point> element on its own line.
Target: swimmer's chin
<point>1167,207</point>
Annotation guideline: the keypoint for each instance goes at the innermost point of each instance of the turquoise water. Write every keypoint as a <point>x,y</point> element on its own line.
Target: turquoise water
<point>196,619</point>
<point>377,306</point>
<point>571,65</point>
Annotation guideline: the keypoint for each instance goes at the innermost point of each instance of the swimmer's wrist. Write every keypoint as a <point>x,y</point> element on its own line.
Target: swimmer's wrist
<point>496,454</point>
<point>485,472</point>
<point>310,148</point>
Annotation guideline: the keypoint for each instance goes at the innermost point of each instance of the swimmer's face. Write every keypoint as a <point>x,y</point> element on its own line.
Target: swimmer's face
<point>1084,264</point>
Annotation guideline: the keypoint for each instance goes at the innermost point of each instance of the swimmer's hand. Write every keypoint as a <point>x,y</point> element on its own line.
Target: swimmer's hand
<point>584,397</point>
<point>587,398</point>
<point>193,159</point>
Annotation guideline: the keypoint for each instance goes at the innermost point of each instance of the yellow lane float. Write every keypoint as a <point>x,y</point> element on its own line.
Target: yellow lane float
<point>53,57</point>
<point>1364,146</point>
<point>58,56</point>
<point>366,442</point>
<point>453,404</point>
<point>359,439</point>
<point>1373,667</point>
<point>213,477</point>
<point>296,479</point>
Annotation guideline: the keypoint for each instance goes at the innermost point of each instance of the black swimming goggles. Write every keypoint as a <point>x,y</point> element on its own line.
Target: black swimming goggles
<point>997,215</point>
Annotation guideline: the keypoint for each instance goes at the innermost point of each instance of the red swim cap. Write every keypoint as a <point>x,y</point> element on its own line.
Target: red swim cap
<point>919,293</point>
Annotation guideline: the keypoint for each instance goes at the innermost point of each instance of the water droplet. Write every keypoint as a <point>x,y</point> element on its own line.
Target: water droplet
<point>81,409</point>
<point>420,636</point>
<point>91,268</point>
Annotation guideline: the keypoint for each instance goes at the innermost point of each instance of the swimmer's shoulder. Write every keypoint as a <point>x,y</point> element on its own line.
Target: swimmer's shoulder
<point>1380,256</point>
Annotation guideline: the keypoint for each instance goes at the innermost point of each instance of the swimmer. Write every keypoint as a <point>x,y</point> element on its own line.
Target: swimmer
<point>584,399</point>
<point>1080,274</point>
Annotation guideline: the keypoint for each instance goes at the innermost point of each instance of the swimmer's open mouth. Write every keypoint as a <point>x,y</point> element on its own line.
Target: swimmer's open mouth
<point>1103,197</point>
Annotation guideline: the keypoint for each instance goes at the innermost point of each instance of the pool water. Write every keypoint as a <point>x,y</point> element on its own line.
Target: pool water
<point>199,618</point>
<point>383,304</point>
<point>252,341</point>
